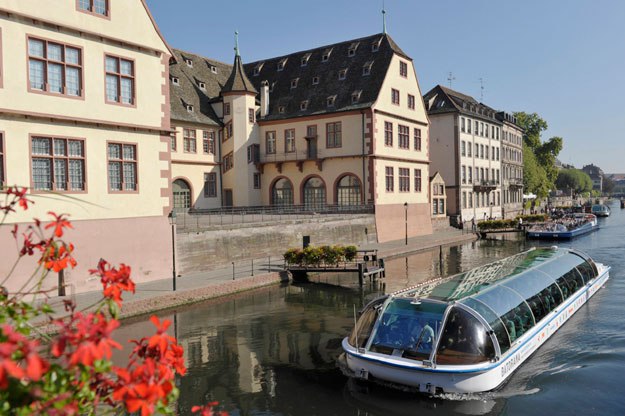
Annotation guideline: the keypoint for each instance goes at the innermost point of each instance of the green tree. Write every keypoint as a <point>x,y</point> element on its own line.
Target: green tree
<point>534,176</point>
<point>573,180</point>
<point>533,125</point>
<point>608,185</point>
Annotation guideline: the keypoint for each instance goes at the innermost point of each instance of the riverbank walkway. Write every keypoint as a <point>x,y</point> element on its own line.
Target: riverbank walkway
<point>158,295</point>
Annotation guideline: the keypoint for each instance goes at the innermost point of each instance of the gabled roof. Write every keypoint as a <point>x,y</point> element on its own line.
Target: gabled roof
<point>158,31</point>
<point>441,99</point>
<point>238,81</point>
<point>280,73</point>
<point>213,74</point>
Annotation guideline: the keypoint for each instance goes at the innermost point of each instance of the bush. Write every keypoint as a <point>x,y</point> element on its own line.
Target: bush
<point>315,256</point>
<point>293,256</point>
<point>532,218</point>
<point>312,256</point>
<point>350,253</point>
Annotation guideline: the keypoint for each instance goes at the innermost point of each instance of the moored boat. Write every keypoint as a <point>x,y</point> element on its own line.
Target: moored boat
<point>469,332</point>
<point>568,227</point>
<point>600,210</point>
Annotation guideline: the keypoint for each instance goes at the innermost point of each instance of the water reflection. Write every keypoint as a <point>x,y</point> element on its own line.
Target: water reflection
<point>273,351</point>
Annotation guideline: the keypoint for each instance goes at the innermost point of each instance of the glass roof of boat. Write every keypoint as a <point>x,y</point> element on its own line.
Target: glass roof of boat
<point>476,280</point>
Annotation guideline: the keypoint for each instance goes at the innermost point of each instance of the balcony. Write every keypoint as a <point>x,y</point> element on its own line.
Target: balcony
<point>297,156</point>
<point>515,183</point>
<point>485,185</point>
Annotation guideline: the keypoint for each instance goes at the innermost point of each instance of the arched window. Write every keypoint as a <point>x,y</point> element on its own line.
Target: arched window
<point>314,193</point>
<point>282,192</point>
<point>348,191</point>
<point>182,195</point>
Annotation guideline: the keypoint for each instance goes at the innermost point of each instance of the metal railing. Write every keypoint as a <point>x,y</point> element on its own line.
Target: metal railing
<point>197,220</point>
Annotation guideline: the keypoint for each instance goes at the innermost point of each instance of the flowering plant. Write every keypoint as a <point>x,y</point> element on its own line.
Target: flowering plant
<point>71,373</point>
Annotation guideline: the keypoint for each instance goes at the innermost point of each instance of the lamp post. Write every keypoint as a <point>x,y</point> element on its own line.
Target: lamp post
<point>172,222</point>
<point>406,220</point>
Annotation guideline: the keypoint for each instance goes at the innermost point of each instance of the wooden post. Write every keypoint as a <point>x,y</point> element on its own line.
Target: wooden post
<point>62,283</point>
<point>360,274</point>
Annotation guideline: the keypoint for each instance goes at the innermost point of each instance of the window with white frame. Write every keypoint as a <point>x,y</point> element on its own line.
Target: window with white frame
<point>366,68</point>
<point>325,56</point>
<point>342,74</point>
<point>294,82</point>
<point>331,100</point>
<point>315,80</point>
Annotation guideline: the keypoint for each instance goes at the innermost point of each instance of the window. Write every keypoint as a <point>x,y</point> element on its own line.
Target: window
<point>388,133</point>
<point>403,137</point>
<point>417,180</point>
<point>311,131</point>
<point>411,102</point>
<point>470,174</point>
<point>486,131</point>
<point>189,108</point>
<point>58,164</point>
<point>305,59</point>
<point>481,129</point>
<point>390,179</point>
<point>333,135</point>
<point>281,109</point>
<point>175,80</point>
<point>281,64</point>
<point>208,142</point>
<point>462,124</point>
<point>202,85</point>
<point>213,69</point>
<point>326,55</point>
<point>122,167</point>
<point>303,105</point>
<point>256,180</point>
<point>96,7</point>
<point>404,180</point>
<point>189,62</point>
<point>294,82</point>
<point>227,131</point>
<point>497,153</point>
<point>174,142</point>
<point>210,185</point>
<point>464,174</point>
<point>315,80</point>
<point>120,80</point>
<point>270,142</point>
<point>417,140</point>
<point>226,109</point>
<point>289,140</point>
<point>375,46</point>
<point>352,49</point>
<point>253,153</point>
<point>403,69</point>
<point>481,151</point>
<point>492,132</point>
<point>258,68</point>
<point>486,153</point>
<point>54,68</point>
<point>477,150</point>
<point>189,143</point>
<point>463,148</point>
<point>342,74</point>
<point>395,96</point>
<point>251,115</point>
<point>331,101</point>
<point>464,199</point>
<point>366,69</point>
<point>469,146</point>
<point>228,162</point>
<point>477,126</point>
<point>356,96</point>
<point>470,199</point>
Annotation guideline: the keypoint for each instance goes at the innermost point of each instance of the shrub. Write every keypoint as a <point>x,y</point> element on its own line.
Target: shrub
<point>350,253</point>
<point>293,256</point>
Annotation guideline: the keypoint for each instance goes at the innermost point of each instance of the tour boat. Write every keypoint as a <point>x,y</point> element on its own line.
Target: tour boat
<point>600,210</point>
<point>469,332</point>
<point>564,228</point>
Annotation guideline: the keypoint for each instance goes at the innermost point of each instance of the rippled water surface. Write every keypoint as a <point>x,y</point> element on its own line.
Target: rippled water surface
<point>272,351</point>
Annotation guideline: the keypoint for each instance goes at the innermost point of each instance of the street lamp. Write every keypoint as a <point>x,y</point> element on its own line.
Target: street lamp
<point>406,220</point>
<point>172,222</point>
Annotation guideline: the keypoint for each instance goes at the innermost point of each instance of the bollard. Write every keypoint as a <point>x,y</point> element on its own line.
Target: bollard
<point>269,258</point>
<point>252,267</point>
<point>232,270</point>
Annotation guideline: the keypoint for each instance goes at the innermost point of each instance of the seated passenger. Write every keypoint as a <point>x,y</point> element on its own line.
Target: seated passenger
<point>511,331</point>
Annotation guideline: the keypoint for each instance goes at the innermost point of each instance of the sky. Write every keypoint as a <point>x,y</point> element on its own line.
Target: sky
<point>563,59</point>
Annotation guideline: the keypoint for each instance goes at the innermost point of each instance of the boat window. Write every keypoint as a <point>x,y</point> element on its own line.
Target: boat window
<point>511,308</point>
<point>493,320</point>
<point>561,266</point>
<point>408,328</point>
<point>570,283</point>
<point>586,271</point>
<point>365,324</point>
<point>551,297</point>
<point>464,340</point>
<point>538,307</point>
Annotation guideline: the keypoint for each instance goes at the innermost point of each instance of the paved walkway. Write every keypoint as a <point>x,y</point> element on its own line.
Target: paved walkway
<point>159,295</point>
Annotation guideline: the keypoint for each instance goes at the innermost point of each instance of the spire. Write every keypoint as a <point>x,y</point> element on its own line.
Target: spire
<point>383,18</point>
<point>236,43</point>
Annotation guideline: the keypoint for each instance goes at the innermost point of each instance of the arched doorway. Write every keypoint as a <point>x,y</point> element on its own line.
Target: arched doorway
<point>314,193</point>
<point>348,191</point>
<point>182,195</point>
<point>282,192</point>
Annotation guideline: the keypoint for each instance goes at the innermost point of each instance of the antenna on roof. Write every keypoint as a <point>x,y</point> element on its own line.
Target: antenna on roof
<point>450,79</point>
<point>481,90</point>
<point>383,18</point>
<point>236,43</point>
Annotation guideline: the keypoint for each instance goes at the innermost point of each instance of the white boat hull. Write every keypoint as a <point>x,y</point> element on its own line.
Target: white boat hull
<point>476,378</point>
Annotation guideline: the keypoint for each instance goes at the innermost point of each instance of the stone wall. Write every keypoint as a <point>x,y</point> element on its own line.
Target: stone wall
<point>207,250</point>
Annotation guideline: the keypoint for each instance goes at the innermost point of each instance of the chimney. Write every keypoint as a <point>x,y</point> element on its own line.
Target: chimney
<point>264,99</point>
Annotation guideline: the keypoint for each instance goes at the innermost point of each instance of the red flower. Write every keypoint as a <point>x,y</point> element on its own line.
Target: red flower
<point>16,353</point>
<point>114,281</point>
<point>58,224</point>
<point>60,258</point>
<point>207,410</point>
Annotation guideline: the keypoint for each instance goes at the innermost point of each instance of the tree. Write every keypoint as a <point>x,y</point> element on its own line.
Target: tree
<point>533,125</point>
<point>573,180</point>
<point>534,176</point>
<point>608,185</point>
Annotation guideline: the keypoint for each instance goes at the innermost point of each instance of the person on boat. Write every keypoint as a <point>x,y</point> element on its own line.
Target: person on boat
<point>425,339</point>
<point>511,331</point>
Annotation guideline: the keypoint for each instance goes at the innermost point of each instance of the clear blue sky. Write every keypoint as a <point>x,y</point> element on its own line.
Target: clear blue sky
<point>564,59</point>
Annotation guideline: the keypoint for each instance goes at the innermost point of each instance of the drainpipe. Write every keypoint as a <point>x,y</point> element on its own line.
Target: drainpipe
<point>221,178</point>
<point>364,193</point>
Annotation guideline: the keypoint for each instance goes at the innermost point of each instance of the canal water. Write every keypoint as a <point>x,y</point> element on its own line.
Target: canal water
<point>273,351</point>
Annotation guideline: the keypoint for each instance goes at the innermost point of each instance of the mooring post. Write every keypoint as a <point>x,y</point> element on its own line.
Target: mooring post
<point>269,260</point>
<point>232,270</point>
<point>360,274</point>
<point>252,267</point>
<point>440,259</point>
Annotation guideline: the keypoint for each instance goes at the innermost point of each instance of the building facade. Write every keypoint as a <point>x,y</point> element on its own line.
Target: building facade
<point>439,196</point>
<point>84,124</point>
<point>465,142</point>
<point>341,125</point>
<point>511,165</point>
<point>596,175</point>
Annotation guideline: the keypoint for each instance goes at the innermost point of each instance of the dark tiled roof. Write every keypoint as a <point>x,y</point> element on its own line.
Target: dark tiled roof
<point>445,100</point>
<point>213,74</point>
<point>284,94</point>
<point>238,81</point>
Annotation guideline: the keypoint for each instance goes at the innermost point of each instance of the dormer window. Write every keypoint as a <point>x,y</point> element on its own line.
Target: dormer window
<point>331,100</point>
<point>366,68</point>
<point>294,83</point>
<point>352,49</point>
<point>326,55</point>
<point>356,96</point>
<point>305,59</point>
<point>175,80</point>
<point>202,85</point>
<point>342,74</point>
<point>315,80</point>
<point>281,64</point>
<point>303,105</point>
<point>213,69</point>
<point>375,46</point>
<point>273,84</point>
<point>189,62</point>
<point>281,109</point>
<point>258,68</point>
<point>189,108</point>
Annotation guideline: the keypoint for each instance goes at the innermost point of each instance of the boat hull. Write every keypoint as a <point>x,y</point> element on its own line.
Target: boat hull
<point>474,378</point>
<point>563,235</point>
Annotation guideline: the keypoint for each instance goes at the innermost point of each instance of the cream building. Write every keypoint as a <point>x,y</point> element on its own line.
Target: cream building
<point>466,150</point>
<point>84,123</point>
<point>341,125</point>
<point>511,165</point>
